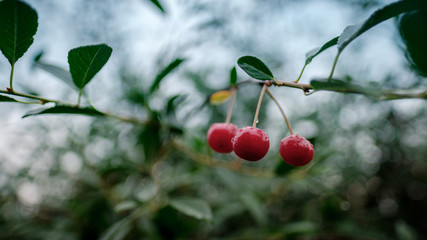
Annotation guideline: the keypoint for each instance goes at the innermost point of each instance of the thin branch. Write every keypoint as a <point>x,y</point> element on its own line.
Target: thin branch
<point>42,101</point>
<point>125,119</point>
<point>278,83</point>
<point>385,94</point>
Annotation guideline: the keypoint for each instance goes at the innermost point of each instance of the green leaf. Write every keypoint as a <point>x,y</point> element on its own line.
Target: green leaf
<point>372,90</point>
<point>255,207</point>
<point>313,53</point>
<point>150,137</point>
<point>64,109</point>
<point>303,227</point>
<point>171,120</point>
<point>336,85</point>
<point>85,62</point>
<point>147,192</point>
<point>38,56</point>
<point>413,30</point>
<point>6,99</point>
<point>192,207</point>
<point>352,32</point>
<point>125,206</point>
<point>18,25</point>
<point>164,72</point>
<point>118,230</point>
<point>227,211</point>
<point>173,102</point>
<point>158,5</point>
<point>233,76</point>
<point>255,68</point>
<point>404,231</point>
<point>56,71</point>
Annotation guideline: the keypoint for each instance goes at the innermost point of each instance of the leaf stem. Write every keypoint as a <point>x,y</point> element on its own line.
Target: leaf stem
<point>230,105</point>
<point>334,65</point>
<point>300,75</point>
<point>281,110</point>
<point>79,97</point>
<point>258,107</point>
<point>11,77</point>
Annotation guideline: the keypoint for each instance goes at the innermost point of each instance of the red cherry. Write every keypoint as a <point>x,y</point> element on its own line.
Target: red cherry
<point>296,150</point>
<point>251,143</point>
<point>219,137</point>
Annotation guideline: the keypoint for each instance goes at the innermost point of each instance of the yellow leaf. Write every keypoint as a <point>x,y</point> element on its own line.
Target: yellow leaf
<point>220,97</point>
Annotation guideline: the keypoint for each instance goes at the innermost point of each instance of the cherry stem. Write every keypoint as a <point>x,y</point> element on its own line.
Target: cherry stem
<point>281,110</point>
<point>258,107</point>
<point>230,105</point>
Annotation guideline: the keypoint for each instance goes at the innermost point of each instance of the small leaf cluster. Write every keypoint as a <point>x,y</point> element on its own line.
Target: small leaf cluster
<point>411,26</point>
<point>18,25</point>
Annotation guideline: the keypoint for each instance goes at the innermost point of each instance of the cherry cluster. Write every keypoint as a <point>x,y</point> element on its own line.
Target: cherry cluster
<point>251,143</point>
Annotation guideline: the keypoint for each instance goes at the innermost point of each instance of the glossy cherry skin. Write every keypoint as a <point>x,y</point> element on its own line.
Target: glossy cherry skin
<point>219,137</point>
<point>251,143</point>
<point>296,150</point>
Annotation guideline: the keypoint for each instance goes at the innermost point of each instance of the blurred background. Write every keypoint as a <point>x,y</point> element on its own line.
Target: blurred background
<point>77,177</point>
